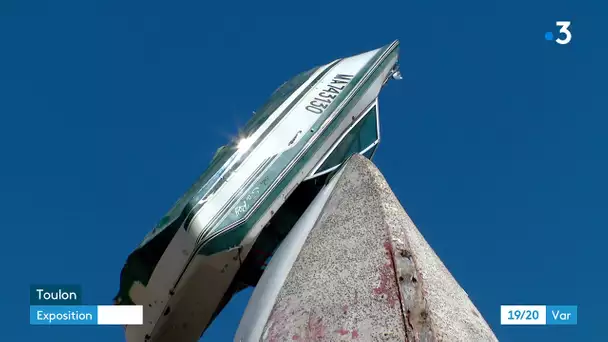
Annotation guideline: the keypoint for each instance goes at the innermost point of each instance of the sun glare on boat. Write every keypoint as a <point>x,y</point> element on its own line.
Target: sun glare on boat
<point>244,143</point>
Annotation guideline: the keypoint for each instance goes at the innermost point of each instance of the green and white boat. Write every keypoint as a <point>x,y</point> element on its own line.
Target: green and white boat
<point>218,236</point>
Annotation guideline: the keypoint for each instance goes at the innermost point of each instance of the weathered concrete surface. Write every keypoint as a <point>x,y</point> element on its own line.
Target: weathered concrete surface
<point>366,273</point>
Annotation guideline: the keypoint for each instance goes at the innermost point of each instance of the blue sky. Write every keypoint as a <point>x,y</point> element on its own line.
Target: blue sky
<point>495,141</point>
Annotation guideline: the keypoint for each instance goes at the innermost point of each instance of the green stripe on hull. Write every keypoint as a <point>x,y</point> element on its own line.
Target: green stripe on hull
<point>194,206</point>
<point>235,236</point>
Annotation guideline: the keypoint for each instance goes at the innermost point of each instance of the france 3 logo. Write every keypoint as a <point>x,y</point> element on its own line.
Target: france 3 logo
<point>564,35</point>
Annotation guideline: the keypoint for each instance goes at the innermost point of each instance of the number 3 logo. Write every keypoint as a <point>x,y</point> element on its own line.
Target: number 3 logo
<point>564,29</point>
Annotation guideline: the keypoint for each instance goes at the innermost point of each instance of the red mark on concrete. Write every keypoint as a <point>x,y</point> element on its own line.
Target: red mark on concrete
<point>354,334</point>
<point>388,287</point>
<point>278,323</point>
<point>284,324</point>
<point>315,328</point>
<point>342,331</point>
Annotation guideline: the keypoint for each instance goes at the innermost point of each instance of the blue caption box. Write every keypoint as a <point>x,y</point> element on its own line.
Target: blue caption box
<point>63,315</point>
<point>562,314</point>
<point>52,294</point>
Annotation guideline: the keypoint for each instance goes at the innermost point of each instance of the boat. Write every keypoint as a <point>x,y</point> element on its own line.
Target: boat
<point>217,238</point>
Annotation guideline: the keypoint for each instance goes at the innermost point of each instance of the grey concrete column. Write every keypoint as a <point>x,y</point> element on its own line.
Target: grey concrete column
<point>366,273</point>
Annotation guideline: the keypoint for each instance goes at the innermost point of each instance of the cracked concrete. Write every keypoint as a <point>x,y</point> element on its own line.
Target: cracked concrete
<point>366,273</point>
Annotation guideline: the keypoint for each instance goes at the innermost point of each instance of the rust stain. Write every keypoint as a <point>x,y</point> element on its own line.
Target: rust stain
<point>387,286</point>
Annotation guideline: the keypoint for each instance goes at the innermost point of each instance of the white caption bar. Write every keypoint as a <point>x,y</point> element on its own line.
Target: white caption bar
<point>120,315</point>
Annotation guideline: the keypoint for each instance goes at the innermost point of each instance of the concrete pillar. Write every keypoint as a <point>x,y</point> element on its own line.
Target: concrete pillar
<point>366,273</point>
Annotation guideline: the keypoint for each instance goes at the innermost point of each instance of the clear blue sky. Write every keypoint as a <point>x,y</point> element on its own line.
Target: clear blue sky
<point>495,141</point>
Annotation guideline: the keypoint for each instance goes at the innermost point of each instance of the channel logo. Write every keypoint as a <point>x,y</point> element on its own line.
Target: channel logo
<point>564,35</point>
